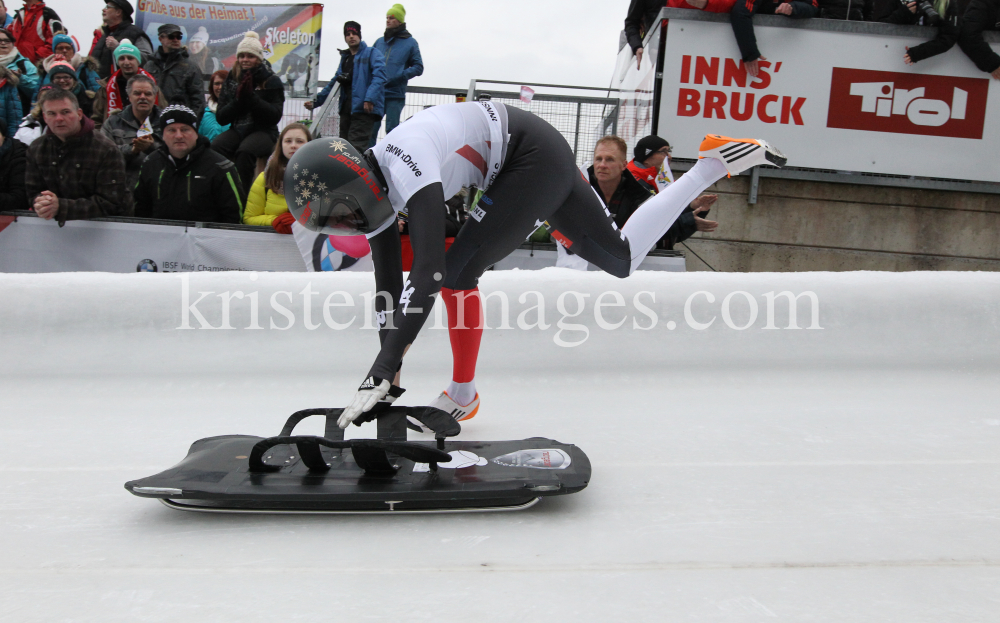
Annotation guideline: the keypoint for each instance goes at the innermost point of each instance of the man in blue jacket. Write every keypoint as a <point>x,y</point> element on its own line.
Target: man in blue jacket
<point>361,76</point>
<point>402,62</point>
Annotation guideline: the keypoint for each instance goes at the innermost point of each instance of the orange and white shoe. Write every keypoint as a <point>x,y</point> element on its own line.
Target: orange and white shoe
<point>449,406</point>
<point>740,154</point>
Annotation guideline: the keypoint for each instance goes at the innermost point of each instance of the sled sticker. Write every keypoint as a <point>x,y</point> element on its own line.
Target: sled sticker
<point>478,213</point>
<point>549,458</point>
<point>460,459</point>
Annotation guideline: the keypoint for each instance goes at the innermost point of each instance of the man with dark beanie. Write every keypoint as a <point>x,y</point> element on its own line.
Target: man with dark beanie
<point>649,152</point>
<point>184,180</point>
<point>361,76</point>
<point>12,161</point>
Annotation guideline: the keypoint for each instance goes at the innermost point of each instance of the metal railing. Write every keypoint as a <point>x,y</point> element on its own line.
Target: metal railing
<point>581,119</point>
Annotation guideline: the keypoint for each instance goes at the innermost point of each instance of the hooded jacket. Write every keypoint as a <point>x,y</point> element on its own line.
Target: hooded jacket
<point>29,79</point>
<point>122,129</point>
<point>10,101</point>
<point>125,30</point>
<point>33,29</point>
<point>259,110</point>
<point>179,79</point>
<point>86,172</point>
<point>402,61</point>
<point>203,187</point>
<point>368,79</point>
<point>13,155</point>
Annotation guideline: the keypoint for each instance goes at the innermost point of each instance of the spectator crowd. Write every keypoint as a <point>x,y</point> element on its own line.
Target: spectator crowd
<point>956,21</point>
<point>128,129</point>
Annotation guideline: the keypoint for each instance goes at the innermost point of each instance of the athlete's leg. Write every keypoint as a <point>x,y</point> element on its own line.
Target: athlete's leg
<point>465,330</point>
<point>585,225</point>
<point>536,179</point>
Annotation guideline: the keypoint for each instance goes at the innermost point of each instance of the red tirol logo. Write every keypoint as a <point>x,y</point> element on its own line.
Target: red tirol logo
<point>886,101</point>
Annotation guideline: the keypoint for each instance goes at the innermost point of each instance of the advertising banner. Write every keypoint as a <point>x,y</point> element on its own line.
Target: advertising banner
<point>290,34</point>
<point>34,245</point>
<point>832,100</point>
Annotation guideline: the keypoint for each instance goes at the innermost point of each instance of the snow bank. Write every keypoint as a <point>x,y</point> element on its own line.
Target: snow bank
<point>91,323</point>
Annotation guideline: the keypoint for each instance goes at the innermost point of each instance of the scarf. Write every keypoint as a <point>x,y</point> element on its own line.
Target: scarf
<point>115,100</point>
<point>213,106</point>
<point>9,58</point>
<point>646,175</point>
<point>392,32</point>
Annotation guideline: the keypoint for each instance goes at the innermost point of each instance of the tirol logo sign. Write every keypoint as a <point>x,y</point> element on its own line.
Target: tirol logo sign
<point>885,101</point>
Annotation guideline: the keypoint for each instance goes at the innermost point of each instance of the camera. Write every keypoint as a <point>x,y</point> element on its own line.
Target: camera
<point>925,8</point>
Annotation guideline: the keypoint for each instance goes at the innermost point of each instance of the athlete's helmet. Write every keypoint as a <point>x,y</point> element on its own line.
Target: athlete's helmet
<point>331,188</point>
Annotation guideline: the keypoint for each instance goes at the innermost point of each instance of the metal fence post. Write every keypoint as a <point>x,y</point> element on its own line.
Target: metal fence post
<point>471,97</point>
<point>576,135</point>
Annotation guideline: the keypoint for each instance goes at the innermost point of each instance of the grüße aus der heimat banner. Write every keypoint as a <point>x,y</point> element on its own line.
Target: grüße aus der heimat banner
<point>290,34</point>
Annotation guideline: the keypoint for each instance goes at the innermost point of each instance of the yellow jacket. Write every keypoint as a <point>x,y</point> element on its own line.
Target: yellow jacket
<point>263,204</point>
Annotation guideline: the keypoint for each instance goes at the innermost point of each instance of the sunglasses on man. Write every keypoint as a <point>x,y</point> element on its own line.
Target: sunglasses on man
<point>175,36</point>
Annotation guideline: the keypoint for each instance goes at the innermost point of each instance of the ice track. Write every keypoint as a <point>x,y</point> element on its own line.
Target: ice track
<point>843,473</point>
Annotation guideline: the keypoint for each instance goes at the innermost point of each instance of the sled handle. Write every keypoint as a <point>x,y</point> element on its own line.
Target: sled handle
<point>332,431</point>
<point>369,454</point>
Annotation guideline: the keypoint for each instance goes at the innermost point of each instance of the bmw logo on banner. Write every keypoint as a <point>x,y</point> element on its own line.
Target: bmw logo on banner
<point>146,266</point>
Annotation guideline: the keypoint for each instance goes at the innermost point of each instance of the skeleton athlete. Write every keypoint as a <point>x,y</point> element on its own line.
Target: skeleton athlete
<point>530,178</point>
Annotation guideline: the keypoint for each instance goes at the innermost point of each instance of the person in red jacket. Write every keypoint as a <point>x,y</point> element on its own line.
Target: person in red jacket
<point>33,28</point>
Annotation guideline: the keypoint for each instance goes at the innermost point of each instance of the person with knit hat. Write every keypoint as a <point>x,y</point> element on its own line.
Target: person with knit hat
<point>184,179</point>
<point>117,18</point>
<point>402,63</point>
<point>178,78</point>
<point>62,75</point>
<point>20,66</point>
<point>64,49</point>
<point>252,100</point>
<point>128,63</point>
<point>13,195</point>
<point>201,55</point>
<point>361,76</point>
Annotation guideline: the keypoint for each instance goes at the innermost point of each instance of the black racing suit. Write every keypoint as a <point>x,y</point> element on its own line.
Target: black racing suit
<point>539,182</point>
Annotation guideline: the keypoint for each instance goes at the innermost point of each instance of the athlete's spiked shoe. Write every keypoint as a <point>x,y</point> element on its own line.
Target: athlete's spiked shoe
<point>446,404</point>
<point>740,154</point>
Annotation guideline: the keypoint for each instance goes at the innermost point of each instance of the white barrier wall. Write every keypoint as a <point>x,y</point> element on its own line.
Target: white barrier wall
<point>831,99</point>
<point>536,320</point>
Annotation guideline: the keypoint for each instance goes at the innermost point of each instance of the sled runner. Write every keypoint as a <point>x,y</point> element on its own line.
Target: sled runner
<point>304,474</point>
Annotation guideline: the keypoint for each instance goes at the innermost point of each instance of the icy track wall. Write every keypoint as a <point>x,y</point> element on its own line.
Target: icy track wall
<point>234,322</point>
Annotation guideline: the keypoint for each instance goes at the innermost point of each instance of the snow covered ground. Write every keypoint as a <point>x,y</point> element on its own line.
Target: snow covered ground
<point>844,472</point>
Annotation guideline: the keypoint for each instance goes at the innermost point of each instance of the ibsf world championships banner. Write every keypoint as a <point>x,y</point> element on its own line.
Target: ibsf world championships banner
<point>290,34</point>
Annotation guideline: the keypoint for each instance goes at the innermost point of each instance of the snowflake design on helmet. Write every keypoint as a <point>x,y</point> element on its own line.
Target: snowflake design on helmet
<point>295,177</point>
<point>315,176</point>
<point>296,166</point>
<point>311,184</point>
<point>298,201</point>
<point>305,171</point>
<point>338,144</point>
<point>306,194</point>
<point>321,187</point>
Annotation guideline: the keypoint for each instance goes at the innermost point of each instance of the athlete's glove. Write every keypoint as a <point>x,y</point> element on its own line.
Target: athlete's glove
<point>370,392</point>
